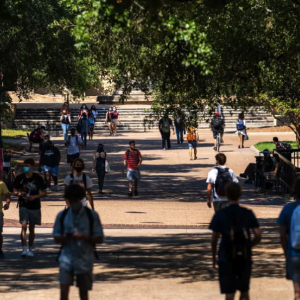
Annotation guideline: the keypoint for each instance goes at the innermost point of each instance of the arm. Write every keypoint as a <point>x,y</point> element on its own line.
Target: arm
<point>283,238</point>
<point>69,117</point>
<point>94,164</point>
<point>214,242</point>
<point>257,237</point>
<point>209,191</point>
<point>140,161</point>
<point>124,166</point>
<point>67,202</point>
<point>8,199</point>
<point>90,197</point>
<point>42,194</point>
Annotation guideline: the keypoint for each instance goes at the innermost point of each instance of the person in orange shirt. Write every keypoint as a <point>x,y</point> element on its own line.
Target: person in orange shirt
<point>3,193</point>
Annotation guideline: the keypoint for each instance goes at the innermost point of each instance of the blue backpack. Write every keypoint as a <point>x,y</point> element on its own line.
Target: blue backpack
<point>240,124</point>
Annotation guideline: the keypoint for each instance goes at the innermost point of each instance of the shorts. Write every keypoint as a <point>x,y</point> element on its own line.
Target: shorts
<point>232,280</point>
<point>192,144</point>
<point>53,171</point>
<point>293,268</point>
<point>218,205</point>
<point>133,175</point>
<point>30,216</point>
<point>83,281</point>
<point>216,132</point>
<point>72,157</point>
<point>114,122</point>
<point>1,222</point>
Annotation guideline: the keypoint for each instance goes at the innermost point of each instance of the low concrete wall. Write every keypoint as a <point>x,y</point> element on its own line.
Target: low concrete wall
<point>281,121</point>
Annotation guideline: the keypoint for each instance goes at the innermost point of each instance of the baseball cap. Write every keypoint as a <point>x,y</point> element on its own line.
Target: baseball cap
<point>217,114</point>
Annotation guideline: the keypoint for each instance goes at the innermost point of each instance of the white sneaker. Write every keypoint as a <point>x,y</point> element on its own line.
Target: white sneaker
<point>48,189</point>
<point>30,253</point>
<point>164,148</point>
<point>24,253</point>
<point>57,187</point>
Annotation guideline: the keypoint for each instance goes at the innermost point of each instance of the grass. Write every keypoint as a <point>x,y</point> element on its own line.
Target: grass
<point>270,146</point>
<point>14,133</point>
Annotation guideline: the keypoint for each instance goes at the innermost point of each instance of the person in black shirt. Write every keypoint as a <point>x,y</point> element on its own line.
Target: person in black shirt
<point>217,126</point>
<point>165,126</point>
<point>49,162</point>
<point>179,128</point>
<point>234,223</point>
<point>30,188</point>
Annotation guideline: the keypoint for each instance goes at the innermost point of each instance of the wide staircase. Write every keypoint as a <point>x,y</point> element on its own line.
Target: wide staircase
<point>132,119</point>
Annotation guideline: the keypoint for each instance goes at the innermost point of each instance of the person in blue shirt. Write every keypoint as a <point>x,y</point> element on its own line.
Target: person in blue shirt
<point>229,222</point>
<point>292,255</point>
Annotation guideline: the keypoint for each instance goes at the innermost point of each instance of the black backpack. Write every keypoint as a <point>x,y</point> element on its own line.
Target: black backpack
<point>223,178</point>
<point>91,223</point>
<point>236,239</point>
<point>217,123</point>
<point>83,179</point>
<point>285,146</point>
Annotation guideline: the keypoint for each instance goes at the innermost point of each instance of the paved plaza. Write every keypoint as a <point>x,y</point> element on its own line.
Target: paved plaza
<point>157,245</point>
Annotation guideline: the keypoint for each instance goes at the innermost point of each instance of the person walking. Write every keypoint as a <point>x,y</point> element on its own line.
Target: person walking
<point>193,140</point>
<point>73,147</point>
<point>80,178</point>
<point>133,161</point>
<point>83,110</point>
<point>4,192</point>
<point>165,126</point>
<point>65,119</point>
<point>65,107</point>
<point>77,229</point>
<point>179,128</point>
<point>85,127</point>
<point>115,120</point>
<point>289,221</point>
<point>49,163</point>
<point>30,188</point>
<point>235,224</point>
<point>217,126</point>
<point>37,135</point>
<point>94,112</point>
<point>241,130</point>
<point>216,181</point>
<point>108,120</point>
<point>92,125</point>
<point>99,166</point>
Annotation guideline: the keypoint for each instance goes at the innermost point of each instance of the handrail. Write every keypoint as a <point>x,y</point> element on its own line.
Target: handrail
<point>284,159</point>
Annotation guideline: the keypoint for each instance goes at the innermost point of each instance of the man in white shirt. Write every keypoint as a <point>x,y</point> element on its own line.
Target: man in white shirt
<point>216,181</point>
<point>73,143</point>
<point>80,178</point>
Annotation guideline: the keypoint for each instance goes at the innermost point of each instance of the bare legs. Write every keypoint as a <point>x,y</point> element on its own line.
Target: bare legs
<point>24,235</point>
<point>241,140</point>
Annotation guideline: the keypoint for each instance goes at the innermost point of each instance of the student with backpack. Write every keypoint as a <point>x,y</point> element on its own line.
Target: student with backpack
<point>179,128</point>
<point>65,119</point>
<point>289,222</point>
<point>80,178</point>
<point>216,181</point>
<point>241,130</point>
<point>77,229</point>
<point>165,126</point>
<point>235,224</point>
<point>73,147</point>
<point>193,140</point>
<point>217,126</point>
<point>85,127</point>
<point>133,161</point>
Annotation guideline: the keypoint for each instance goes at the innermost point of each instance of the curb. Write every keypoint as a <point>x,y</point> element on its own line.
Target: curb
<point>253,149</point>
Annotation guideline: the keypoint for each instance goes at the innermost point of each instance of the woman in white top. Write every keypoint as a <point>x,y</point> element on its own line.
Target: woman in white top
<point>94,112</point>
<point>241,130</point>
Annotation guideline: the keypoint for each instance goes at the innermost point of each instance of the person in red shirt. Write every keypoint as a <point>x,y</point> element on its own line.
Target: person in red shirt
<point>115,120</point>
<point>133,161</point>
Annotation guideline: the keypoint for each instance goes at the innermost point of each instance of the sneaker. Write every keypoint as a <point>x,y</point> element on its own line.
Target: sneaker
<point>222,141</point>
<point>243,175</point>
<point>57,188</point>
<point>195,157</point>
<point>48,189</point>
<point>24,253</point>
<point>239,147</point>
<point>136,193</point>
<point>164,148</point>
<point>100,192</point>
<point>130,194</point>
<point>30,253</point>
<point>215,148</point>
<point>2,254</point>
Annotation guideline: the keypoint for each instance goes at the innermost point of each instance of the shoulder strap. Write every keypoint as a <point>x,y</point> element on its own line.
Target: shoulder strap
<point>72,177</point>
<point>84,179</point>
<point>62,219</point>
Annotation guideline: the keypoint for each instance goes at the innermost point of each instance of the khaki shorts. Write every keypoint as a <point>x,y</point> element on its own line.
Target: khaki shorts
<point>83,281</point>
<point>1,222</point>
<point>114,122</point>
<point>30,216</point>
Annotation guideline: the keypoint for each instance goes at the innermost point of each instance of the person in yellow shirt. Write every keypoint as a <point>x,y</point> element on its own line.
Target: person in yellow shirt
<point>3,193</point>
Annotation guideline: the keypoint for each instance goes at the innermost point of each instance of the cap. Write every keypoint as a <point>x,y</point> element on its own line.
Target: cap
<point>217,114</point>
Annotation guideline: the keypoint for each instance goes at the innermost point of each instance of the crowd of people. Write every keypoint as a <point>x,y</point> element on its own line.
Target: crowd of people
<point>78,228</point>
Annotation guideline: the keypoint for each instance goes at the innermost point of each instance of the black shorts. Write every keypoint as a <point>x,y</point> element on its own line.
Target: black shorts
<point>71,158</point>
<point>216,132</point>
<point>232,280</point>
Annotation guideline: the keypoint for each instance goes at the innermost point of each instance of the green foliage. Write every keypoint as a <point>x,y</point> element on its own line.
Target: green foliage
<point>261,146</point>
<point>14,133</point>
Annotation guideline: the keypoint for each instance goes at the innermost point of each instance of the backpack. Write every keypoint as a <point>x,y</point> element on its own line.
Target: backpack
<point>237,242</point>
<point>285,146</point>
<point>295,228</point>
<point>91,223</point>
<point>223,178</point>
<point>165,126</point>
<point>240,125</point>
<point>191,135</point>
<point>217,123</point>
<point>79,126</point>
<point>83,178</point>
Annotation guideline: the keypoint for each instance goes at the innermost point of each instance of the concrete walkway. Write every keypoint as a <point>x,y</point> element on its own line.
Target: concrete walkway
<point>139,260</point>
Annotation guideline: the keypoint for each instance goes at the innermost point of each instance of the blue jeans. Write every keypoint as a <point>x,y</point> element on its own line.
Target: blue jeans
<point>179,134</point>
<point>83,137</point>
<point>65,129</point>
